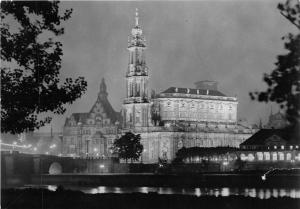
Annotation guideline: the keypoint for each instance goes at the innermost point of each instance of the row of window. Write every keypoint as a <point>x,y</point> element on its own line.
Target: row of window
<point>195,115</point>
<point>98,121</point>
<point>200,105</point>
<point>260,156</point>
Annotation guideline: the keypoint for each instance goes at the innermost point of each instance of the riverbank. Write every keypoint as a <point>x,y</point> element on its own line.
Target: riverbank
<point>60,199</point>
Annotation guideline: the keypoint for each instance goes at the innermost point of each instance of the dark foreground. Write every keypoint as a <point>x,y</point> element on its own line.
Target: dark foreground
<point>41,198</point>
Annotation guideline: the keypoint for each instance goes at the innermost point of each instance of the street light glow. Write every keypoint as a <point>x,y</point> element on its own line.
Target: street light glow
<point>101,166</point>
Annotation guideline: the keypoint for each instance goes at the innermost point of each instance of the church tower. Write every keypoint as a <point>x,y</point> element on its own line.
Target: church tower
<point>136,104</point>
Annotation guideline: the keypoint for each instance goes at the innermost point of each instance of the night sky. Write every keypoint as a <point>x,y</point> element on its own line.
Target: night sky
<point>232,42</point>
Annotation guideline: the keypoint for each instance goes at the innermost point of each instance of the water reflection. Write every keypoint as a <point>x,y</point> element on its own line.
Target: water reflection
<point>225,192</point>
<point>197,192</point>
<point>218,192</point>
<point>52,187</point>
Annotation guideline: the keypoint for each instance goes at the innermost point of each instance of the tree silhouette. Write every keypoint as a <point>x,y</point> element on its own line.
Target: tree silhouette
<point>31,60</point>
<point>284,81</point>
<point>128,146</point>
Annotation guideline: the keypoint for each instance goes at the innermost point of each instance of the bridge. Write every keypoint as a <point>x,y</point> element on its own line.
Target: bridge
<point>18,168</point>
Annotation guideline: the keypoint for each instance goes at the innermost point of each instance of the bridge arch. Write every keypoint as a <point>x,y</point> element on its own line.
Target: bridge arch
<point>55,168</point>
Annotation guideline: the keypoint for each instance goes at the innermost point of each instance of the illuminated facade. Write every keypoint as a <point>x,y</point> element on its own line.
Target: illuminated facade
<point>136,106</point>
<point>177,117</point>
<point>270,145</point>
<point>200,106</point>
<point>92,133</point>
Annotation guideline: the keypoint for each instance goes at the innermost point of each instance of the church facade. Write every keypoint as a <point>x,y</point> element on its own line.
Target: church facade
<point>175,118</point>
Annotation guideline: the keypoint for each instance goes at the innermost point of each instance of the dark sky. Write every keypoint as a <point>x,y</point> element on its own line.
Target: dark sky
<point>232,42</point>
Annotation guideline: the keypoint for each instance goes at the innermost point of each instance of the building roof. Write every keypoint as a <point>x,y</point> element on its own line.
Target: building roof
<point>260,137</point>
<point>193,91</point>
<point>102,106</point>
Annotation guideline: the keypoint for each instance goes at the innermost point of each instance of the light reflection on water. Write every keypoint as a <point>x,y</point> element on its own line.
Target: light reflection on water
<point>218,192</point>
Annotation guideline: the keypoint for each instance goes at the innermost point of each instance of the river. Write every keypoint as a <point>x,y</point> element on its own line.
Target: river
<point>261,193</point>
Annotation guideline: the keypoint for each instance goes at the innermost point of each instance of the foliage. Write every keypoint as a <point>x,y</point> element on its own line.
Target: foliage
<point>31,60</point>
<point>284,81</point>
<point>128,146</point>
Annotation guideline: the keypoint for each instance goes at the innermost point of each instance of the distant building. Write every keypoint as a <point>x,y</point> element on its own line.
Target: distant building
<point>271,145</point>
<point>92,133</point>
<point>277,121</point>
<point>270,139</point>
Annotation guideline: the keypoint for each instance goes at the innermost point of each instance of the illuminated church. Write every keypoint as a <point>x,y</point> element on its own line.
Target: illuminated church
<point>175,118</point>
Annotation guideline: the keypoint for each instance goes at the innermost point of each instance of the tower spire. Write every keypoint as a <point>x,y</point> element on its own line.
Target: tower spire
<point>136,104</point>
<point>102,92</point>
<point>136,16</point>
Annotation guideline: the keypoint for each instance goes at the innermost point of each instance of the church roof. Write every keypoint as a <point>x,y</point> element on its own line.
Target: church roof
<point>260,137</point>
<point>108,110</point>
<point>101,107</point>
<point>193,91</point>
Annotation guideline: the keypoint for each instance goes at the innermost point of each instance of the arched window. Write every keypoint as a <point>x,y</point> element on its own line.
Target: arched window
<point>138,89</point>
<point>260,156</point>
<point>288,156</point>
<point>250,157</point>
<point>131,89</point>
<point>267,155</point>
<point>243,157</point>
<point>281,156</point>
<point>274,156</point>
